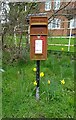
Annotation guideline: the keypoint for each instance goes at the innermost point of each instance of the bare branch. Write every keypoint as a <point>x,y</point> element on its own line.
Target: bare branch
<point>58,11</point>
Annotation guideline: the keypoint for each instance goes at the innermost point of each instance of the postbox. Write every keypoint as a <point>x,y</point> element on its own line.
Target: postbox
<point>38,37</point>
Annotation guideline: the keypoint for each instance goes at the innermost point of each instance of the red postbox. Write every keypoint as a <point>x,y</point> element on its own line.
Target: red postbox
<point>38,38</point>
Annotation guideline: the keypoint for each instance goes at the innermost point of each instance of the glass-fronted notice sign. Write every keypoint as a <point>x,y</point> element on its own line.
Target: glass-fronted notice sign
<point>38,46</point>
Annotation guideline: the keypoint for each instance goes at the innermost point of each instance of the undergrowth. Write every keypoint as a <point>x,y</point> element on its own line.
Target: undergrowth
<point>56,98</point>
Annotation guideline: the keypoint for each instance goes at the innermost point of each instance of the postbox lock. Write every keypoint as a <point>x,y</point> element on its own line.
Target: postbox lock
<point>38,36</point>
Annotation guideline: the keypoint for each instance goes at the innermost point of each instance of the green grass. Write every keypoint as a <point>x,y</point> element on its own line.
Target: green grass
<point>56,99</point>
<point>61,41</point>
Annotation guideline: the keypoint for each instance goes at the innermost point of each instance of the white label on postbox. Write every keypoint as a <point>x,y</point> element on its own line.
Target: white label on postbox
<point>38,46</point>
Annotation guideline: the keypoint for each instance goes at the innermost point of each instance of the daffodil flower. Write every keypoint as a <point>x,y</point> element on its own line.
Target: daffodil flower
<point>35,83</point>
<point>48,82</point>
<point>34,69</point>
<point>62,49</point>
<point>62,82</point>
<point>41,74</point>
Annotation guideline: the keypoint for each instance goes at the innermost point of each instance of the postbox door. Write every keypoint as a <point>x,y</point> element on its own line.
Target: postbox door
<point>38,47</point>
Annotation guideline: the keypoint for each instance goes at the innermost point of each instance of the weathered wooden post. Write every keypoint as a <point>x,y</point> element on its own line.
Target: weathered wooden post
<point>38,43</point>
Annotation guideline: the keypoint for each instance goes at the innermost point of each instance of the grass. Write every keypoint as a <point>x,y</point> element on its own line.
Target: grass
<point>56,99</point>
<point>61,41</point>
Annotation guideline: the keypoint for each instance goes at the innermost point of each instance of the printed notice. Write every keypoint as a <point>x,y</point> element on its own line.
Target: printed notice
<point>38,46</point>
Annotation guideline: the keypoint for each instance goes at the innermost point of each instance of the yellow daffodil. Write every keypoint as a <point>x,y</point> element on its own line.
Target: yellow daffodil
<point>62,49</point>
<point>48,82</point>
<point>41,74</point>
<point>34,69</point>
<point>35,83</point>
<point>62,82</point>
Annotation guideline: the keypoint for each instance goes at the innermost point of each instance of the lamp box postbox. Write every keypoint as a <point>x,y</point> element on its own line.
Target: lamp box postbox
<point>38,37</point>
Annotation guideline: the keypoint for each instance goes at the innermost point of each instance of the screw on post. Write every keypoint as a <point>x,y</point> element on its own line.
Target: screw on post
<point>37,78</point>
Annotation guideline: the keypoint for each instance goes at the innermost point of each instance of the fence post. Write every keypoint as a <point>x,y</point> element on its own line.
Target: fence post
<point>69,39</point>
